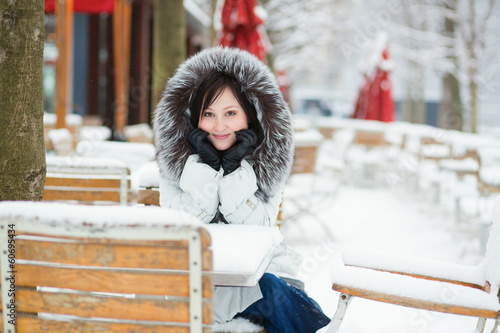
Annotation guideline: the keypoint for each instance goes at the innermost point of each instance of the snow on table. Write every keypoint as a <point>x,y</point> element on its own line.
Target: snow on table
<point>309,137</point>
<point>60,162</point>
<point>60,135</point>
<point>149,175</point>
<point>462,141</point>
<point>134,154</point>
<point>301,123</point>
<point>467,164</point>
<point>51,213</point>
<point>139,130</point>
<point>242,250</point>
<point>414,265</point>
<point>490,175</point>
<point>71,119</point>
<point>414,288</point>
<point>94,133</point>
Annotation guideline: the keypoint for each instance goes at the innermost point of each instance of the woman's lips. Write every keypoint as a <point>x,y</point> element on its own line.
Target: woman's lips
<point>221,137</point>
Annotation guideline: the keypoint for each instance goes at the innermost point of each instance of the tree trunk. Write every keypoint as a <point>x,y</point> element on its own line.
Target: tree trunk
<point>473,92</point>
<point>169,43</point>
<point>22,157</point>
<point>213,32</point>
<point>450,106</point>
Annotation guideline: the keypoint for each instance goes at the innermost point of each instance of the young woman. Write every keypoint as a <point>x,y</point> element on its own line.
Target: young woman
<point>224,143</point>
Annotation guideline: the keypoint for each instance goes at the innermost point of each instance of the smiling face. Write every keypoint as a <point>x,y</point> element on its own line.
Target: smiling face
<point>222,119</point>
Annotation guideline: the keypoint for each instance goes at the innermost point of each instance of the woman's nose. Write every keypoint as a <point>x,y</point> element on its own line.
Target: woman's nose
<point>220,124</point>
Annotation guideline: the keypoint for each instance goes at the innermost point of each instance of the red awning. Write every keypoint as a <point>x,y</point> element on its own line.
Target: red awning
<point>85,6</point>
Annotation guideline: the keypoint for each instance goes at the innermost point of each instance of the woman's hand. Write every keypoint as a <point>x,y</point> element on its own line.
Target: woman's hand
<point>203,147</point>
<point>231,159</point>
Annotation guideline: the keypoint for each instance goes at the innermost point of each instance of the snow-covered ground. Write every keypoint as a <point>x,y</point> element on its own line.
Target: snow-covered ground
<point>380,218</point>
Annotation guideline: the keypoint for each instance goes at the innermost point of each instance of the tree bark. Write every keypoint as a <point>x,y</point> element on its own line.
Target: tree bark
<point>450,105</point>
<point>169,43</point>
<point>473,92</point>
<point>22,157</point>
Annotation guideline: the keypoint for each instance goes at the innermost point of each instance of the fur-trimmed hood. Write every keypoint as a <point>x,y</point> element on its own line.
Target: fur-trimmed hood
<point>272,159</point>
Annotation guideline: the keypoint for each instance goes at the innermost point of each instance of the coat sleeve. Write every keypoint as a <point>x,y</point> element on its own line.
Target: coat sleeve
<point>196,192</point>
<point>238,202</point>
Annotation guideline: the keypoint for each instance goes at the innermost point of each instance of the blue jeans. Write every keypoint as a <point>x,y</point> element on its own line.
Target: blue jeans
<point>284,309</point>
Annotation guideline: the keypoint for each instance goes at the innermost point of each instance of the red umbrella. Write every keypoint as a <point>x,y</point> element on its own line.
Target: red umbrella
<point>374,100</point>
<point>242,28</point>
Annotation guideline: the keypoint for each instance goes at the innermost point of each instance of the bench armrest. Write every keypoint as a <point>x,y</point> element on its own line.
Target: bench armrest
<point>471,276</point>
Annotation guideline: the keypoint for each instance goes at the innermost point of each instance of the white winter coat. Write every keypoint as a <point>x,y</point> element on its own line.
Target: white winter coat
<point>249,195</point>
<point>201,191</point>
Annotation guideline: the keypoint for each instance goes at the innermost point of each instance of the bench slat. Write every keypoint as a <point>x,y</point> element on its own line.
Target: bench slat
<point>83,195</point>
<point>414,303</point>
<point>117,281</point>
<point>31,324</point>
<point>304,159</point>
<point>430,278</point>
<point>32,301</point>
<point>84,182</point>
<point>109,255</point>
<point>148,196</point>
<point>369,138</point>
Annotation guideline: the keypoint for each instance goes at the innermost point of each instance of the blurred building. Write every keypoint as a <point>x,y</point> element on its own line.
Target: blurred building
<point>93,94</point>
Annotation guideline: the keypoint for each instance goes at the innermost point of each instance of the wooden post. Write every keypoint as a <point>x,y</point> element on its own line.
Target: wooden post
<point>64,74</point>
<point>121,43</point>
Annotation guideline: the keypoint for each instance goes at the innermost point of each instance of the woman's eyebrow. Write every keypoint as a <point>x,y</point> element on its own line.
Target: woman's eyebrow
<point>232,106</point>
<point>224,108</point>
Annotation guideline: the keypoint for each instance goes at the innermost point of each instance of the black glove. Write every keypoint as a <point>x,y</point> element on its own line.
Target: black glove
<point>203,147</point>
<point>231,160</point>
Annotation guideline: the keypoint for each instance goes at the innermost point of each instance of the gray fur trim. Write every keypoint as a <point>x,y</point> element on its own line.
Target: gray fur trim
<point>272,160</point>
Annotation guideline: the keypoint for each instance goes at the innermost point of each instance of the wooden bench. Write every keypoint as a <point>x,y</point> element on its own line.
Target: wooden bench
<point>369,138</point>
<point>87,180</point>
<point>73,124</point>
<point>422,284</point>
<point>106,269</point>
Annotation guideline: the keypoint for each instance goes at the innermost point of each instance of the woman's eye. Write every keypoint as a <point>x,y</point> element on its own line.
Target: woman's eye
<point>231,113</point>
<point>208,114</point>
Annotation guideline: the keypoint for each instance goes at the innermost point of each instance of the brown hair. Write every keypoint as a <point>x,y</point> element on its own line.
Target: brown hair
<point>211,88</point>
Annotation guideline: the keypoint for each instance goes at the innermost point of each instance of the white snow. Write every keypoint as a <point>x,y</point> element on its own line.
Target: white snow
<point>400,218</point>
<point>490,175</point>
<point>409,287</point>
<point>149,175</point>
<point>94,133</point>
<point>59,135</point>
<point>134,154</point>
<point>467,164</point>
<point>143,131</point>
<point>58,162</point>
<point>414,265</point>
<point>50,212</point>
<point>237,325</point>
<point>71,119</point>
<point>308,137</point>
<point>247,244</point>
<point>492,262</point>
